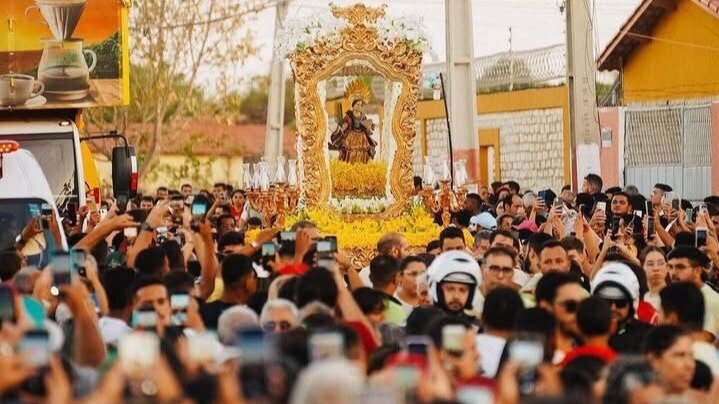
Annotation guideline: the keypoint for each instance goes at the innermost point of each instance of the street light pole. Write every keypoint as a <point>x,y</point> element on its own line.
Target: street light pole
<point>276,96</point>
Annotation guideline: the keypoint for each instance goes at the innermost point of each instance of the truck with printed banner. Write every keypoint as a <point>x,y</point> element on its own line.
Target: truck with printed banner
<point>58,57</point>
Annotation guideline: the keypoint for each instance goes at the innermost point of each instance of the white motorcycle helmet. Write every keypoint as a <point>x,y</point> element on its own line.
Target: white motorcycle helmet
<point>616,281</point>
<point>456,267</point>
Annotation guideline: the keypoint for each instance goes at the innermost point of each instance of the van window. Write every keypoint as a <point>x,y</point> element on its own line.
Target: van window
<point>15,214</point>
<point>56,156</point>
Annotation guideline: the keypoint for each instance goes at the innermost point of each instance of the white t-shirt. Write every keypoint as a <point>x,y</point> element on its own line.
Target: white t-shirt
<point>705,352</point>
<point>405,306</point>
<point>711,304</point>
<point>490,349</point>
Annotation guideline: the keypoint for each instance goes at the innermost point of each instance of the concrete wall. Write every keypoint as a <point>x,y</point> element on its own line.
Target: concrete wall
<point>671,69</point>
<point>612,173</point>
<point>532,145</point>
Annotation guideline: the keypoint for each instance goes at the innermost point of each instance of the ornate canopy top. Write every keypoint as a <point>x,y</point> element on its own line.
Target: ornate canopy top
<point>358,90</point>
<point>359,14</point>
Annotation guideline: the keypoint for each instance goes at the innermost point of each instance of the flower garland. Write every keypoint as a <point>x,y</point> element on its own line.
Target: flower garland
<point>297,34</point>
<point>359,206</point>
<point>415,224</point>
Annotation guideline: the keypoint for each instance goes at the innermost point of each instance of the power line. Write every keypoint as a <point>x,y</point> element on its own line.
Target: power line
<point>259,6</point>
<point>674,42</point>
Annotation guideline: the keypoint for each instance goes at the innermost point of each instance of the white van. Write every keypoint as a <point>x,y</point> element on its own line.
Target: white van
<point>23,191</point>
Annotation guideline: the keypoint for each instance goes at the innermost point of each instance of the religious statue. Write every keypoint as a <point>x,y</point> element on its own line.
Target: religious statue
<point>353,136</point>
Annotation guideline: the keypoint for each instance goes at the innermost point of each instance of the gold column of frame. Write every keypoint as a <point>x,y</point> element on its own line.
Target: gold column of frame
<point>396,62</point>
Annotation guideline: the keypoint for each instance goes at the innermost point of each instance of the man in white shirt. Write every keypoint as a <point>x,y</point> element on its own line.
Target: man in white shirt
<point>500,309</point>
<point>118,285</point>
<point>687,264</point>
<point>392,244</point>
<point>408,293</point>
<point>683,306</point>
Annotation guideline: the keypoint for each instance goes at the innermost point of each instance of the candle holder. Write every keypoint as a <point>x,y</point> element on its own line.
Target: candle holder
<point>445,199</point>
<point>277,198</point>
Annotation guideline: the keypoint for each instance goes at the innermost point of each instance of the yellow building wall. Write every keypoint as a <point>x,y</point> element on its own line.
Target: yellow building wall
<point>221,169</point>
<point>661,70</point>
<point>510,101</point>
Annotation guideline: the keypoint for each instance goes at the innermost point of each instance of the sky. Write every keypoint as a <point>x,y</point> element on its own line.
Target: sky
<point>535,24</point>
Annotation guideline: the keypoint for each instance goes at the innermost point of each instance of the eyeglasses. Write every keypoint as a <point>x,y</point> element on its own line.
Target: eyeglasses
<point>570,306</point>
<point>496,270</point>
<point>271,326</point>
<point>618,303</point>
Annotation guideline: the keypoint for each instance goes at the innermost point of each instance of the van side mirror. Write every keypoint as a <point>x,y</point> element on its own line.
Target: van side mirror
<point>124,172</point>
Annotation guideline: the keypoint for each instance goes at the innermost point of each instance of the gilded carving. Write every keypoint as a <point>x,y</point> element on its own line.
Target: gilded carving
<point>395,61</point>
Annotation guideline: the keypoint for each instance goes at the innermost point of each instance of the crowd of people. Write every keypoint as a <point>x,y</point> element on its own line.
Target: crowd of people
<point>598,296</point>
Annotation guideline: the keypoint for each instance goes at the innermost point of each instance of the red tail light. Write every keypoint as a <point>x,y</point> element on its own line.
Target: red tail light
<point>8,146</point>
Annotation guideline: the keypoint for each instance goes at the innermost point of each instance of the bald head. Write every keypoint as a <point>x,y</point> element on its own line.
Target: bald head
<point>392,244</point>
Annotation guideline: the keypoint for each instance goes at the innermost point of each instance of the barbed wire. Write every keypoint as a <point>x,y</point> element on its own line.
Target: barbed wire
<point>516,68</point>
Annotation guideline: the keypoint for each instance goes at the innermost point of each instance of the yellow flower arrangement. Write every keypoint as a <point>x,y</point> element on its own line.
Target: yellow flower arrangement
<point>416,225</point>
<point>358,238</point>
<point>361,180</point>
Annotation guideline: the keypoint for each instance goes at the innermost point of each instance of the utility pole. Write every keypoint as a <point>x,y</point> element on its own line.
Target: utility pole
<point>276,96</point>
<point>581,82</point>
<point>462,78</point>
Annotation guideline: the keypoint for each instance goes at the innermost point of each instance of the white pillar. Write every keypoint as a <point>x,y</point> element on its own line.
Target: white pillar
<point>276,96</point>
<point>581,77</point>
<point>461,84</point>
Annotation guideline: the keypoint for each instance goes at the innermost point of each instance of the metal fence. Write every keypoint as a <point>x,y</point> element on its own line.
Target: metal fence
<point>671,145</point>
<point>509,71</point>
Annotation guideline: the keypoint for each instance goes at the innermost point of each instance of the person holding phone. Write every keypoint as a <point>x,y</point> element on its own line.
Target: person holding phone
<point>152,294</point>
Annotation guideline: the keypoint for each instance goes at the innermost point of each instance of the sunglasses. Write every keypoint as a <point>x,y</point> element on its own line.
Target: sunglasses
<point>618,303</point>
<point>570,306</point>
<point>271,326</point>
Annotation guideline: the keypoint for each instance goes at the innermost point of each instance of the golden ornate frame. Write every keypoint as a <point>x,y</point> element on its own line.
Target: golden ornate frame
<point>396,62</point>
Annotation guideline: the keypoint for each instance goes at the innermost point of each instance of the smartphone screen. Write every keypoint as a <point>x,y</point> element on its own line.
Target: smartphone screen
<point>61,271</point>
<point>528,354</point>
<point>35,347</point>
<point>474,395</point>
<point>252,344</point>
<point>418,344</point>
<point>77,259</point>
<point>602,206</point>
<point>72,213</point>
<point>7,304</point>
<point>689,215</point>
<point>137,352</point>
<point>269,249</point>
<point>288,236</point>
<point>650,229</point>
<point>701,237</point>
<point>199,209</point>
<point>324,246</point>
<point>407,377</point>
<point>333,242</point>
<point>130,232</point>
<point>452,336</point>
<point>145,318</point>
<point>543,196</point>
<point>326,345</point>
<point>179,303</point>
